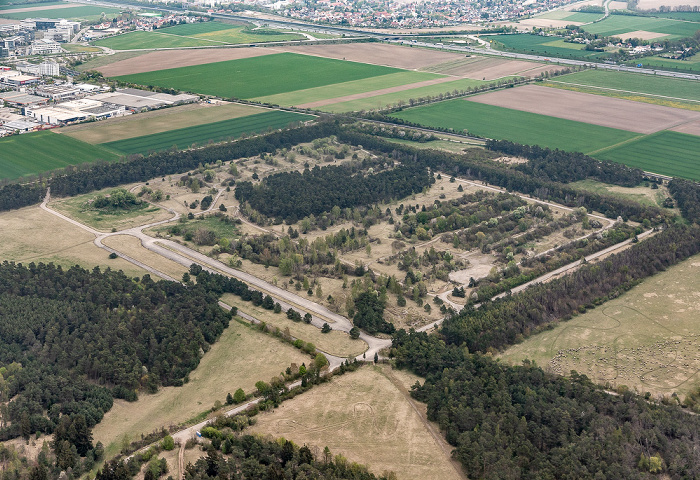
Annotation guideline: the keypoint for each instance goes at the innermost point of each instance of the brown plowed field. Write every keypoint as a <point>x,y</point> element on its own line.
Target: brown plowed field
<point>163,59</point>
<point>643,34</point>
<point>692,128</point>
<point>583,107</point>
<point>378,54</point>
<point>484,68</point>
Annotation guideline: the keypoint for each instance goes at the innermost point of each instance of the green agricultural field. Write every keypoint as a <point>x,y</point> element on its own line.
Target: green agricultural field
<point>146,40</point>
<point>381,101</point>
<point>301,97</point>
<point>195,35</point>
<point>523,127</point>
<point>33,153</point>
<point>676,88</point>
<point>535,44</point>
<point>668,153</point>
<point>646,339</point>
<point>70,13</point>
<point>690,64</point>
<point>621,24</point>
<point>259,76</point>
<point>690,16</point>
<point>200,134</point>
<point>583,17</point>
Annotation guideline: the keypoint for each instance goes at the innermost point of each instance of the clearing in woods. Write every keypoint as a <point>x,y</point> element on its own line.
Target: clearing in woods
<point>241,357</point>
<point>367,418</point>
<point>646,339</point>
<point>33,153</point>
<point>80,208</point>
<point>32,235</point>
<point>259,76</point>
<point>156,121</point>
<point>131,246</point>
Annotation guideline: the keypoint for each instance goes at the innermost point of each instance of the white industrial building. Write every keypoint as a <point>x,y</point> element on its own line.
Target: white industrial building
<point>45,47</point>
<point>47,68</point>
<point>75,111</point>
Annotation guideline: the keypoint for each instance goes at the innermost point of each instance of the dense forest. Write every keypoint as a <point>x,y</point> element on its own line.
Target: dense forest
<point>522,423</point>
<point>293,195</point>
<point>687,197</point>
<point>565,167</point>
<point>71,340</point>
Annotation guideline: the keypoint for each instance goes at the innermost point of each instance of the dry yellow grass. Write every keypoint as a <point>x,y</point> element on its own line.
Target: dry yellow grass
<point>646,339</point>
<point>241,357</point>
<point>79,208</point>
<point>366,418</point>
<point>33,235</point>
<point>157,121</point>
<point>132,247</point>
<point>336,343</point>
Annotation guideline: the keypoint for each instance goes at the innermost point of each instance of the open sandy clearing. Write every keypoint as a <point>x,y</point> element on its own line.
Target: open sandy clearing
<point>692,128</point>
<point>157,121</point>
<point>131,246</point>
<point>646,339</point>
<point>367,418</point>
<point>378,54</point>
<point>164,59</point>
<point>32,235</point>
<point>374,93</point>
<point>643,34</point>
<point>593,109</point>
<point>241,357</point>
<point>484,68</point>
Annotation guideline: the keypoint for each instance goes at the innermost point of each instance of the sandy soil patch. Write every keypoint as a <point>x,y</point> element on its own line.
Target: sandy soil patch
<point>163,59</point>
<point>378,54</point>
<point>479,266</point>
<point>692,128</point>
<point>643,34</point>
<point>484,68</point>
<point>374,93</point>
<point>546,22</point>
<point>367,417</point>
<point>131,246</point>
<point>584,107</point>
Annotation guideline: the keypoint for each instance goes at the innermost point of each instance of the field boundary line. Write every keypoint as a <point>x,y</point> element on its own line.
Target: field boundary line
<point>624,91</point>
<point>624,142</point>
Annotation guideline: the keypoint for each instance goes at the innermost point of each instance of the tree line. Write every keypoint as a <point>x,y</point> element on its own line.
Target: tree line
<point>509,422</point>
<point>565,167</point>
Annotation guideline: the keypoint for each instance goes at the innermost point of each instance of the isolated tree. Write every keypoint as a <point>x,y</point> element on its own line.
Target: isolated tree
<point>326,328</point>
<point>239,396</point>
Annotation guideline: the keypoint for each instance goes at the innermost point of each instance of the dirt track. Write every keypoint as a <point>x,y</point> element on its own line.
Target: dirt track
<point>588,108</point>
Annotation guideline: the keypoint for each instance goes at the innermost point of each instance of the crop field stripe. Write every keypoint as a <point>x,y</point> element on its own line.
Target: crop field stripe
<point>523,127</point>
<point>33,153</point>
<point>5,6</point>
<point>148,40</point>
<point>620,24</point>
<point>634,82</point>
<point>259,76</point>
<point>216,131</point>
<point>337,90</point>
<point>667,152</point>
<point>381,101</point>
